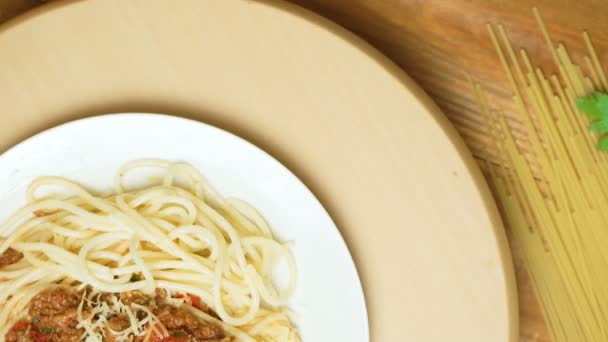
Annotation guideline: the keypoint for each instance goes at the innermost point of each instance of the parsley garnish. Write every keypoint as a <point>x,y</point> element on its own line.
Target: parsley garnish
<point>596,108</point>
<point>179,334</point>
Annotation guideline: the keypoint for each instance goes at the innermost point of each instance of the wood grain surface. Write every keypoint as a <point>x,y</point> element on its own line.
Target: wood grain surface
<point>438,42</point>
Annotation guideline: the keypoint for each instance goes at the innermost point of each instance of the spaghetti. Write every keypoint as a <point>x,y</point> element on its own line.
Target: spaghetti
<point>179,236</point>
<point>554,193</point>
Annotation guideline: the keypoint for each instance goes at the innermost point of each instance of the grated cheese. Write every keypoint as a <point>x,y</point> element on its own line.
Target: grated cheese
<point>96,322</point>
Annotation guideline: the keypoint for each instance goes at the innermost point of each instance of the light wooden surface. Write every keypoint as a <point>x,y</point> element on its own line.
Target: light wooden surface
<point>437,41</point>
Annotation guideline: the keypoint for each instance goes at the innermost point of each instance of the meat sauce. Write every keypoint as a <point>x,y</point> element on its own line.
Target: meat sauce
<point>52,317</point>
<point>10,257</point>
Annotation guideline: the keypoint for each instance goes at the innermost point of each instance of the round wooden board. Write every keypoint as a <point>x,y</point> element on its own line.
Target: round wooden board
<point>396,178</point>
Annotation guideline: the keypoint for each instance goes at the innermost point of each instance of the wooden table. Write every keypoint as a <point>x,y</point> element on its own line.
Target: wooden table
<point>437,42</point>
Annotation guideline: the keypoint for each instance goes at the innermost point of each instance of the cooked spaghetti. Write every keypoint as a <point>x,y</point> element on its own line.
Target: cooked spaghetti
<point>71,263</point>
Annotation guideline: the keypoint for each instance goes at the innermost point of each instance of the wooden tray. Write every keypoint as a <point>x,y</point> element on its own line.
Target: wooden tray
<point>393,173</point>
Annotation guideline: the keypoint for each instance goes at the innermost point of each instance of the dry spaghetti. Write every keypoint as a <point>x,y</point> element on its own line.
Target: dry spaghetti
<point>554,194</point>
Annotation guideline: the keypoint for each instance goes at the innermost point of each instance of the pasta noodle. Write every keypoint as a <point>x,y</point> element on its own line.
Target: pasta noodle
<point>179,235</point>
<point>554,194</point>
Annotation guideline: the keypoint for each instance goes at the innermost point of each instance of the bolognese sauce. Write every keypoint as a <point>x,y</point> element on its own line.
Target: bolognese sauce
<point>53,317</point>
<point>10,257</point>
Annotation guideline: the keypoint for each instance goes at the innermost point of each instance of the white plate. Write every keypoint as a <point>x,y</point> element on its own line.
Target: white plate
<point>329,300</point>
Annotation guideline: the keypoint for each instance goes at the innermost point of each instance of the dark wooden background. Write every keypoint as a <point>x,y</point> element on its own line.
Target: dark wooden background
<point>438,41</point>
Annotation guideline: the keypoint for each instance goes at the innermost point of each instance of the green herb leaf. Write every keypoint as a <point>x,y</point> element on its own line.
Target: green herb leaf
<point>603,143</point>
<point>47,331</point>
<point>602,103</point>
<point>179,334</point>
<point>596,107</point>
<point>599,126</point>
<point>588,105</point>
<point>35,321</point>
